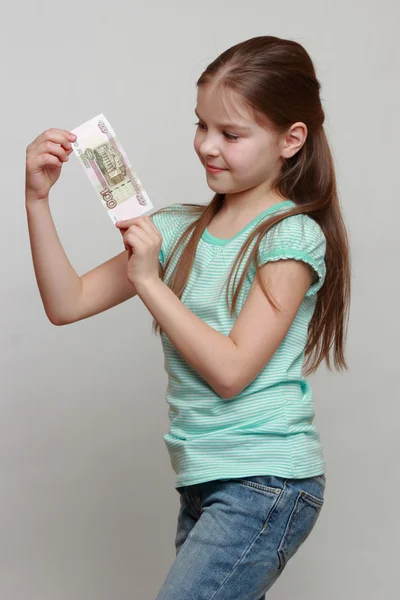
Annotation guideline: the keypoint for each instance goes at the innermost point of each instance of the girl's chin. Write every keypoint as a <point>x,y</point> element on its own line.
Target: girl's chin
<point>219,189</point>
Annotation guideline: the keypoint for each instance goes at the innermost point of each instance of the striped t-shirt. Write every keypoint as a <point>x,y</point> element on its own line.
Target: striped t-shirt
<point>267,429</point>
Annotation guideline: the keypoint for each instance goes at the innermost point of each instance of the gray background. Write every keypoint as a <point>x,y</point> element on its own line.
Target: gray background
<point>87,502</point>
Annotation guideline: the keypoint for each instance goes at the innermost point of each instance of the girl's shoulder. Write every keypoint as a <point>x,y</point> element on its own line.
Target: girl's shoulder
<point>297,237</point>
<point>296,229</point>
<point>173,212</point>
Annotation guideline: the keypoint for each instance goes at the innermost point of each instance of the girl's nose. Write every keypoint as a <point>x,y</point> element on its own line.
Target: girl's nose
<point>209,148</point>
<point>209,144</point>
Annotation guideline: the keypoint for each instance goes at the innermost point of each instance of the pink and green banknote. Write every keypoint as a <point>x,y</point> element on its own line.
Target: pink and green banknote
<point>109,170</point>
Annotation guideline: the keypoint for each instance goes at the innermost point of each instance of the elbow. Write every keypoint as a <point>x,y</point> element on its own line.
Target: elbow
<point>232,376</point>
<point>234,386</point>
<point>229,394</point>
<point>229,386</point>
<point>57,321</point>
<point>228,390</point>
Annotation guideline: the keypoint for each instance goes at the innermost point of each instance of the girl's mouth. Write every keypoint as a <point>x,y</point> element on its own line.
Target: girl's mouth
<point>214,169</point>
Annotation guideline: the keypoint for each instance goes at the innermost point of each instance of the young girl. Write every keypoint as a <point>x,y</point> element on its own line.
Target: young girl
<point>242,290</point>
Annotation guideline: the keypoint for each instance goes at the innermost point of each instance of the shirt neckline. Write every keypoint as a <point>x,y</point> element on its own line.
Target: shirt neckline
<point>212,239</point>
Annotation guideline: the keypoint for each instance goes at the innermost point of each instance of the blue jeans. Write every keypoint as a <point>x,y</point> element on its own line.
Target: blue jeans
<point>235,536</point>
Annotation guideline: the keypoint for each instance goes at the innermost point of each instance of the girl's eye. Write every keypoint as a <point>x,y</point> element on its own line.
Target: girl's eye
<point>229,136</point>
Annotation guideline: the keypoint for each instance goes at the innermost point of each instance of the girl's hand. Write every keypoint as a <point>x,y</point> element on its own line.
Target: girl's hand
<point>143,242</point>
<point>44,159</point>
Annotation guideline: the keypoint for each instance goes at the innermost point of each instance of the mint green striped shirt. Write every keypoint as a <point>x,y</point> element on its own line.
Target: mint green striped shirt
<point>267,429</point>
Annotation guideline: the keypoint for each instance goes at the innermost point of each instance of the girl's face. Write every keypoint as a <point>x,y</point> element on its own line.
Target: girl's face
<point>229,138</point>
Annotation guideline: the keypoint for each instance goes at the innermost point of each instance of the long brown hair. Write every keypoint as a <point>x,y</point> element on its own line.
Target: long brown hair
<point>276,79</point>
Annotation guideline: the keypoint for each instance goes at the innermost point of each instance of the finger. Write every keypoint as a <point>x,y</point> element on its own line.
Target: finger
<point>38,146</point>
<point>137,234</point>
<point>129,222</point>
<point>148,225</point>
<point>125,224</point>
<point>59,136</point>
<point>46,160</point>
<point>52,148</point>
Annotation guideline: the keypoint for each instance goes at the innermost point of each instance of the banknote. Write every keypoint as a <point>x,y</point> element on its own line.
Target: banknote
<point>109,170</point>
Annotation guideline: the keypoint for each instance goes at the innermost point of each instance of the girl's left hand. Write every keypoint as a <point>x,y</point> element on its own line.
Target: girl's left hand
<point>143,242</point>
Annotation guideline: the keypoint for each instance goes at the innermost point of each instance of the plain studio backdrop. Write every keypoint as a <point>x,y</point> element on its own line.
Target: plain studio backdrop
<point>88,507</point>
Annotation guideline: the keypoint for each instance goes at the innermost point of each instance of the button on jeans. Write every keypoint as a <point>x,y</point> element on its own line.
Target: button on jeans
<point>235,536</point>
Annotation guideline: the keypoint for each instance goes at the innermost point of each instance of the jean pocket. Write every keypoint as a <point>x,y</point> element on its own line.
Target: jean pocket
<point>262,483</point>
<point>301,521</point>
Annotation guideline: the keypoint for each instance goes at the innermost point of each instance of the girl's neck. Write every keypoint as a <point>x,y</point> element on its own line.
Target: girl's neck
<point>238,207</point>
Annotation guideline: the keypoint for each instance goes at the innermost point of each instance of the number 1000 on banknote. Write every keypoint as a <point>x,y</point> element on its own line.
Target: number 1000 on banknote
<point>109,170</point>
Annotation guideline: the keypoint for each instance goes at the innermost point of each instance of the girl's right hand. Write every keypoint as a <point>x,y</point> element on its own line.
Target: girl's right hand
<point>44,159</point>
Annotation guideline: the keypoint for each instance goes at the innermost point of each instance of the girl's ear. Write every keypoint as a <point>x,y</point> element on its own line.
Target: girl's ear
<point>294,139</point>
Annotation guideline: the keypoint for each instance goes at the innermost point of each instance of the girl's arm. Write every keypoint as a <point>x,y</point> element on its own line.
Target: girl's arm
<point>209,352</point>
<point>231,363</point>
<point>66,296</point>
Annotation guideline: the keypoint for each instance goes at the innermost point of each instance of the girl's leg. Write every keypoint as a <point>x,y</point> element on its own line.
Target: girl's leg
<point>188,517</point>
<point>245,533</point>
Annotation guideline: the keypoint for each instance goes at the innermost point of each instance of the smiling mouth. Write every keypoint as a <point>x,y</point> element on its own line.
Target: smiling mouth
<point>212,168</point>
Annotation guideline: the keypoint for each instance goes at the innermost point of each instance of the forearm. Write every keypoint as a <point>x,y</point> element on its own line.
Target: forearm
<point>209,352</point>
<point>59,285</point>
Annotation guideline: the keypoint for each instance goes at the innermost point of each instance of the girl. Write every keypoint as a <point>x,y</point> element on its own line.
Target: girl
<point>248,458</point>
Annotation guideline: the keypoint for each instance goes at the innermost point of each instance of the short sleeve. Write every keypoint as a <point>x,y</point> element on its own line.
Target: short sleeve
<point>297,237</point>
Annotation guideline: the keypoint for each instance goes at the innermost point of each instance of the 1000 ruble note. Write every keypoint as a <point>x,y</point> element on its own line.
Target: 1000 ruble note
<point>109,170</point>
